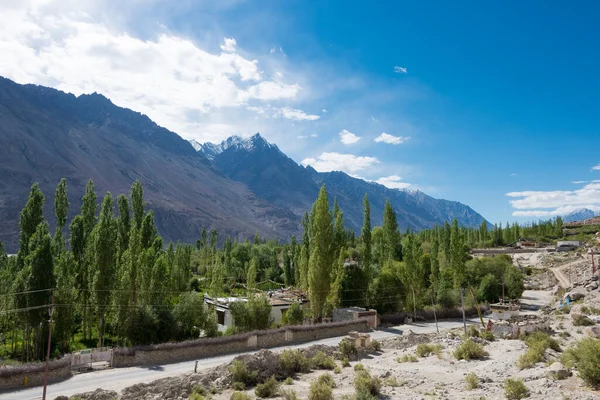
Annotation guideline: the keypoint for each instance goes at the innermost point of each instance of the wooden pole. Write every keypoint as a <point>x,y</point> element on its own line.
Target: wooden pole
<point>51,312</point>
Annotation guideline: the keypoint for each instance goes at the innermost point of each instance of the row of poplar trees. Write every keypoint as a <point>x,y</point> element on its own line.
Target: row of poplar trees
<point>113,265</point>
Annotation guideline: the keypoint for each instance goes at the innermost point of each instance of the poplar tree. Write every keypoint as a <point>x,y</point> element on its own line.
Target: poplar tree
<point>339,231</point>
<point>104,242</point>
<point>456,255</point>
<point>390,232</point>
<point>137,203</point>
<point>88,214</point>
<point>366,236</point>
<point>31,216</point>
<point>61,207</point>
<point>251,276</point>
<point>123,223</point>
<point>321,260</point>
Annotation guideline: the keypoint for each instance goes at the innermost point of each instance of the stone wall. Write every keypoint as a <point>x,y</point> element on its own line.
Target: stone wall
<point>210,347</point>
<point>20,376</point>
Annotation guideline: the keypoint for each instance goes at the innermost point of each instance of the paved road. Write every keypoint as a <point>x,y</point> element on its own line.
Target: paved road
<point>120,378</point>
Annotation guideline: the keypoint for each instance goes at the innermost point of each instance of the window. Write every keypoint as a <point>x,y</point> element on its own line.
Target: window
<point>221,317</point>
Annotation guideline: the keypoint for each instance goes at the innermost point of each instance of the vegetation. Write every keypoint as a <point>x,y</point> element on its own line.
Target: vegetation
<point>320,391</point>
<point>240,373</point>
<point>323,361</point>
<point>240,396</point>
<point>469,350</point>
<point>347,348</point>
<point>327,379</point>
<point>288,394</point>
<point>407,358</point>
<point>424,350</point>
<point>267,389</point>
<point>537,342</point>
<point>582,320</point>
<point>365,384</point>
<point>376,345</point>
<point>294,361</point>
<point>585,356</point>
<point>472,381</point>
<point>515,389</point>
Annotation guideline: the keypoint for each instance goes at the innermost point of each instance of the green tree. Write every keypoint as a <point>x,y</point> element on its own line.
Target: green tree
<point>64,295</point>
<point>558,227</point>
<point>123,223</point>
<point>390,232</point>
<point>335,295</point>
<point>31,217</point>
<point>252,274</point>
<point>61,207</point>
<point>489,289</point>
<point>148,230</point>
<point>104,242</point>
<point>191,315</point>
<point>513,283</point>
<point>339,232</point>
<point>303,267</point>
<point>366,236</point>
<point>85,274</point>
<point>137,203</point>
<point>321,258</point>
<point>457,255</point>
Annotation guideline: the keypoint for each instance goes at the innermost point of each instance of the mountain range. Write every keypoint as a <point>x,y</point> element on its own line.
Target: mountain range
<point>239,187</point>
<point>580,214</point>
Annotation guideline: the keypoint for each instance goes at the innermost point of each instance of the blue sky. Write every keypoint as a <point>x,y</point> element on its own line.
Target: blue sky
<point>491,104</point>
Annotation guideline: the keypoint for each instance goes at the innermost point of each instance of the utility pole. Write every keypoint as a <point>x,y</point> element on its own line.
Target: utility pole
<point>51,312</point>
<point>462,302</point>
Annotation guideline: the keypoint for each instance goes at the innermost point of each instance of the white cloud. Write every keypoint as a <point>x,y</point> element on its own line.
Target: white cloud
<point>596,168</point>
<point>392,182</point>
<point>298,115</point>
<point>313,135</point>
<point>324,110</point>
<point>555,202</point>
<point>170,78</point>
<point>579,182</point>
<point>302,137</point>
<point>273,50</point>
<point>348,137</point>
<point>399,70</point>
<point>391,139</point>
<point>229,45</point>
<point>513,174</point>
<point>348,163</point>
<point>553,213</point>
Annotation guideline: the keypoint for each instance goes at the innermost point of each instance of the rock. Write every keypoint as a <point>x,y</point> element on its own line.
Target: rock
<point>574,296</point>
<point>593,331</point>
<point>558,371</point>
<point>98,394</point>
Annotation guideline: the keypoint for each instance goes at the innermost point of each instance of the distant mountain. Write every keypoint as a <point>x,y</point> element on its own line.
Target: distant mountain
<point>46,134</point>
<point>580,215</point>
<point>280,180</point>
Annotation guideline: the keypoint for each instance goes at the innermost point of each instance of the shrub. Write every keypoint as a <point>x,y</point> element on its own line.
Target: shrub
<point>320,391</point>
<point>267,389</point>
<point>239,396</point>
<point>323,361</point>
<point>288,381</point>
<point>538,342</point>
<point>239,386</point>
<point>582,320</point>
<point>472,331</point>
<point>488,335</point>
<point>327,379</point>
<point>515,389</point>
<point>366,384</point>
<point>201,390</point>
<point>348,348</point>
<point>337,370</point>
<point>391,381</point>
<point>196,396</point>
<point>376,345</point>
<point>585,356</point>
<point>407,358</point>
<point>424,350</point>
<point>472,381</point>
<point>240,373</point>
<point>469,350</point>
<point>359,367</point>
<point>345,362</point>
<point>294,315</point>
<point>294,361</point>
<point>539,337</point>
<point>288,394</point>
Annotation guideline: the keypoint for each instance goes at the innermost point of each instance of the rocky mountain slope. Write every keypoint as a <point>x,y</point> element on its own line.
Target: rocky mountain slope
<point>46,134</point>
<point>279,179</point>
<point>580,215</point>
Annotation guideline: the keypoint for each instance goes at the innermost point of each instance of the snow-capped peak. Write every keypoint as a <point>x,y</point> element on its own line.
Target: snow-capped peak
<point>211,150</point>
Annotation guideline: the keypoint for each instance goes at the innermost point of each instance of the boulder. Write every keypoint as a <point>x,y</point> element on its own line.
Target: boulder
<point>593,331</point>
<point>558,371</point>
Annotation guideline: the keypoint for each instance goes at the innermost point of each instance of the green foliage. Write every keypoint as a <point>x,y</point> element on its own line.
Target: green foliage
<point>288,394</point>
<point>347,348</point>
<point>513,283</point>
<point>407,358</point>
<point>322,361</point>
<point>239,386</point>
<point>239,396</point>
<point>472,381</point>
<point>391,381</point>
<point>469,350</point>
<point>345,362</point>
<point>255,314</point>
<point>294,361</point>
<point>365,384</point>
<point>585,356</point>
<point>294,315</point>
<point>320,391</point>
<point>424,350</point>
<point>191,315</point>
<point>240,373</point>
<point>359,367</point>
<point>196,396</point>
<point>288,381</point>
<point>582,320</point>
<point>515,389</point>
<point>490,289</point>
<point>327,379</point>
<point>472,331</point>
<point>267,389</point>
<point>488,335</point>
<point>337,370</point>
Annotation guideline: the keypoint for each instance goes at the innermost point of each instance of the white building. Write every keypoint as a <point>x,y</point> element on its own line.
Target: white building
<point>225,319</point>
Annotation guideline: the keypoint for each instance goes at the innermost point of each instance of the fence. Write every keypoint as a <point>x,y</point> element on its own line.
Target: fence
<point>84,359</point>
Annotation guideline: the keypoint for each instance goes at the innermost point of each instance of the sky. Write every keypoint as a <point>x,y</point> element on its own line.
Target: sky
<point>495,105</point>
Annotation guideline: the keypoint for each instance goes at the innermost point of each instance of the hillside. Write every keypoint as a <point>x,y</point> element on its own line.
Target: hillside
<point>46,134</point>
<point>276,177</point>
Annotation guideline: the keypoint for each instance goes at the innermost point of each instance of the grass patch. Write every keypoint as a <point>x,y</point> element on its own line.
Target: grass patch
<point>376,345</point>
<point>348,348</point>
<point>288,394</point>
<point>327,379</point>
<point>294,361</point>
<point>391,381</point>
<point>424,350</point>
<point>365,384</point>
<point>472,381</point>
<point>469,350</point>
<point>239,396</point>
<point>537,343</point>
<point>582,320</point>
<point>323,361</point>
<point>585,356</point>
<point>240,373</point>
<point>320,391</point>
<point>345,362</point>
<point>359,367</point>
<point>407,358</point>
<point>515,389</point>
<point>288,381</point>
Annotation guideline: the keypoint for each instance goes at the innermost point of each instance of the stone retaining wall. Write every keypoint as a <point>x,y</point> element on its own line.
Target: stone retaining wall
<point>21,376</point>
<point>210,347</point>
